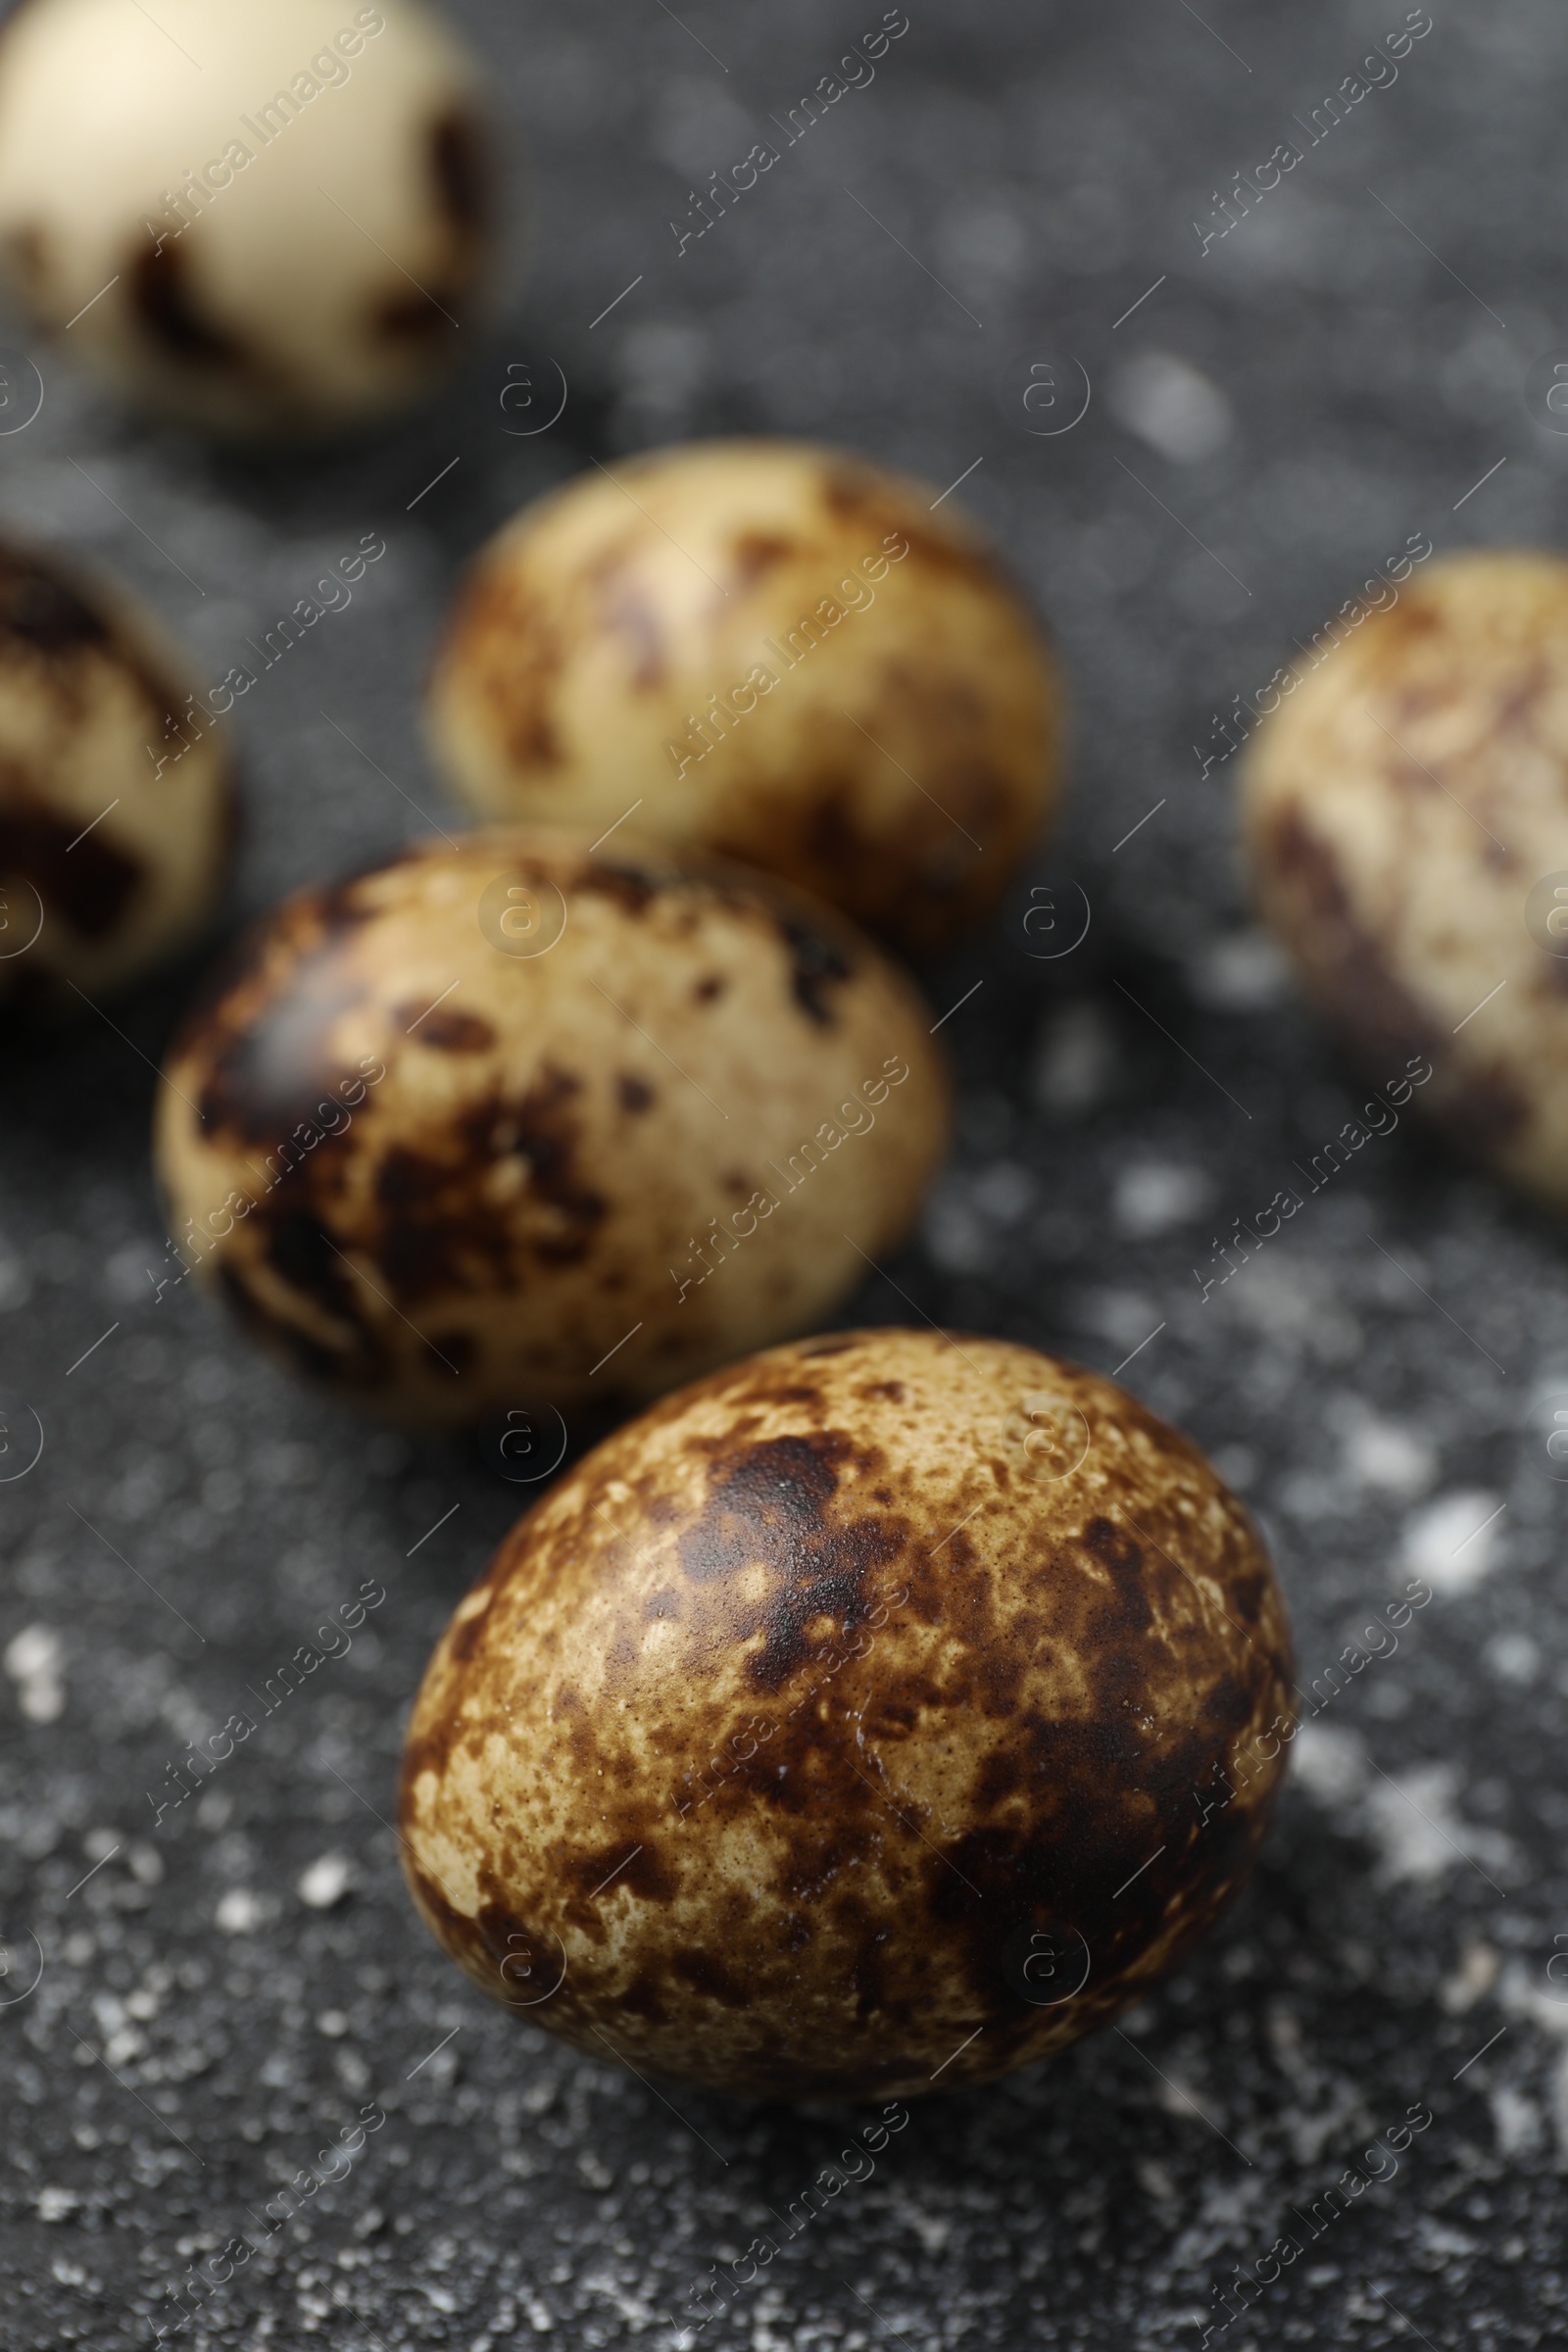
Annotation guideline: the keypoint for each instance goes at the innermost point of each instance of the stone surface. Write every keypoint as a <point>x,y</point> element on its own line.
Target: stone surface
<point>1274,419</point>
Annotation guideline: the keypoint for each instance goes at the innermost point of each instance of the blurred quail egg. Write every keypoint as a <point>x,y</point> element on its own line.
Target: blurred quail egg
<point>786,654</point>
<point>115,808</point>
<point>882,1712</point>
<point>261,219</point>
<point>511,1120</point>
<point>1406,820</point>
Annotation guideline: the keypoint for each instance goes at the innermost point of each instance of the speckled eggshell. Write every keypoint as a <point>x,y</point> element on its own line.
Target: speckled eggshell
<point>1400,809</point>
<point>672,1113</point>
<point>262,217</point>
<point>862,1719</point>
<point>786,654</point>
<point>115,801</point>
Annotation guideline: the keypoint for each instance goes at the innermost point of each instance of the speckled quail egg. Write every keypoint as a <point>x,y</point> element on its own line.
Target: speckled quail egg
<point>511,1120</point>
<point>259,219</point>
<point>882,1712</point>
<point>115,807</point>
<point>1406,818</point>
<point>785,655</point>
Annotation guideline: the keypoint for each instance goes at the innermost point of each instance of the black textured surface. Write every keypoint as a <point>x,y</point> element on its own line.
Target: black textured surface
<point>198,2032</point>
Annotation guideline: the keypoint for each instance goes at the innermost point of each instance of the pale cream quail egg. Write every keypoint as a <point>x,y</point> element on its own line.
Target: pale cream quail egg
<point>780,652</point>
<point>262,219</point>
<point>1406,808</point>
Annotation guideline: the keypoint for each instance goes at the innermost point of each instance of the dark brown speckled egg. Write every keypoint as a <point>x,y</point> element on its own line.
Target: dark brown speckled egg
<point>515,1121</point>
<point>878,1714</point>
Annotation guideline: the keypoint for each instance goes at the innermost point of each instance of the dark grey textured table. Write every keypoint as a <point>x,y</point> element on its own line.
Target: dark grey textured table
<point>1284,406</point>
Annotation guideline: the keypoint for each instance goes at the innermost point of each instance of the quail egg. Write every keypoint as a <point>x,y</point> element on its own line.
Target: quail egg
<point>115,804</point>
<point>515,1120</point>
<point>878,1714</point>
<point>258,220</point>
<point>783,653</point>
<point>1406,808</point>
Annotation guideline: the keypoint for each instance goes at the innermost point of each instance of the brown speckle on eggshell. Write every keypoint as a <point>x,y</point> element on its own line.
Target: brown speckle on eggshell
<point>821,1736</point>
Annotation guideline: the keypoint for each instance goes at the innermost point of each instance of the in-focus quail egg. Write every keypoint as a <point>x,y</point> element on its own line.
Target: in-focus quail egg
<point>511,1120</point>
<point>880,1713</point>
<point>262,219</point>
<point>115,807</point>
<point>786,654</point>
<point>1406,820</point>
